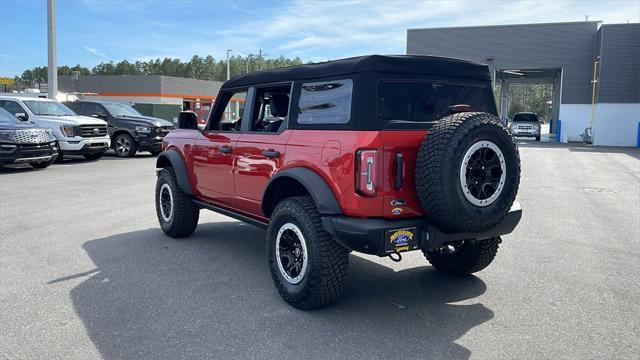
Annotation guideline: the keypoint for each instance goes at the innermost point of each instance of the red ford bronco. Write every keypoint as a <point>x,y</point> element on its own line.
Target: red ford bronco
<point>376,154</point>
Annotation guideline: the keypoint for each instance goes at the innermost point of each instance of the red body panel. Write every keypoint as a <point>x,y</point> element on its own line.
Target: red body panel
<point>214,171</point>
<point>253,169</point>
<point>406,142</point>
<point>237,180</point>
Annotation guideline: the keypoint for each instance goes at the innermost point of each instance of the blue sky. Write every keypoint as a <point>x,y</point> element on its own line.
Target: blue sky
<point>94,31</point>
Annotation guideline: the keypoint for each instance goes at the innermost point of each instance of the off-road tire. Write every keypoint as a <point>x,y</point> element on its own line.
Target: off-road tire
<point>328,261</point>
<point>184,218</point>
<point>133,147</point>
<point>93,156</point>
<point>41,164</point>
<point>438,172</point>
<point>472,257</point>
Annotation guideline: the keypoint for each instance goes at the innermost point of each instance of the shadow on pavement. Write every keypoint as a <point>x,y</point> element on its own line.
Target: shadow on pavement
<point>211,296</point>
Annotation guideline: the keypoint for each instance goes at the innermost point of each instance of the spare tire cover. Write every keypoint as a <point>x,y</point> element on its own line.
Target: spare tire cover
<point>467,172</point>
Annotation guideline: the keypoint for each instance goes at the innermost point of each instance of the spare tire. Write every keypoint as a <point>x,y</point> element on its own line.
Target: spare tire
<point>467,172</point>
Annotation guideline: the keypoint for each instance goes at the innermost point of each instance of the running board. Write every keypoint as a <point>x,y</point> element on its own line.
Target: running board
<point>232,214</point>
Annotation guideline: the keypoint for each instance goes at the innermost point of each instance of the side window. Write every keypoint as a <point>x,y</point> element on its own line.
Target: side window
<point>91,109</point>
<point>229,118</point>
<point>270,108</point>
<point>12,107</point>
<point>327,102</point>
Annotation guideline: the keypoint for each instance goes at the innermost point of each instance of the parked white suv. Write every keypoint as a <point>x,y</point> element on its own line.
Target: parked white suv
<point>525,124</point>
<point>76,135</point>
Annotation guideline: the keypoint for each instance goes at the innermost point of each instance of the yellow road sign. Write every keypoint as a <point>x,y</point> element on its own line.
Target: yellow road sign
<point>6,81</point>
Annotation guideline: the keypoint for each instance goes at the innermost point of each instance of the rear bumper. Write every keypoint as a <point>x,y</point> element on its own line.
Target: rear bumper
<point>369,236</point>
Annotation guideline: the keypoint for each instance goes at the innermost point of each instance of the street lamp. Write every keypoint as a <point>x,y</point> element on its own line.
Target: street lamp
<point>52,66</point>
<point>228,71</point>
<point>228,77</point>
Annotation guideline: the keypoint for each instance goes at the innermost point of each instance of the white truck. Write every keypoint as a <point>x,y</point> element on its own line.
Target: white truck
<point>76,135</point>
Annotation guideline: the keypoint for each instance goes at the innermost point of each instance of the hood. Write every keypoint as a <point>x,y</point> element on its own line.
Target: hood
<point>27,125</point>
<point>73,120</point>
<point>146,121</point>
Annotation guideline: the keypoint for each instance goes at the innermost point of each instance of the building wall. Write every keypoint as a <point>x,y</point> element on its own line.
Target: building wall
<point>619,80</point>
<point>572,47</point>
<point>616,124</point>
<point>569,46</point>
<point>155,89</point>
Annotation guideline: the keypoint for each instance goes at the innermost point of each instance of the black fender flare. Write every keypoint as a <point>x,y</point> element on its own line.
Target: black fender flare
<point>174,159</point>
<point>315,185</point>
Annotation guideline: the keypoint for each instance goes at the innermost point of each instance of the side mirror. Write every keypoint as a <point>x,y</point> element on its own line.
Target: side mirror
<point>99,115</point>
<point>187,120</point>
<point>22,116</point>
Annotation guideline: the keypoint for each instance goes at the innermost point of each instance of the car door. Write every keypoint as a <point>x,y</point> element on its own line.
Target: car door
<point>214,149</point>
<point>260,150</point>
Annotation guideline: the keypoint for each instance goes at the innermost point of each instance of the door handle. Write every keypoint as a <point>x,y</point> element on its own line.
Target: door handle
<point>271,153</point>
<point>225,149</point>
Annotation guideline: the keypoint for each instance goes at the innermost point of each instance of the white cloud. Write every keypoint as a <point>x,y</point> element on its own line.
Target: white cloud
<point>94,51</point>
<point>314,28</point>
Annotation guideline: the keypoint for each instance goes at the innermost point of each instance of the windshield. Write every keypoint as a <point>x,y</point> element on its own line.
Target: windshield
<point>525,117</point>
<point>7,118</point>
<point>48,108</point>
<point>120,110</point>
<point>423,101</point>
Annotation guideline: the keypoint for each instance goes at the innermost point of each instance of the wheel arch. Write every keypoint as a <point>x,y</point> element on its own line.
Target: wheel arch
<point>120,131</point>
<point>173,159</point>
<point>299,181</point>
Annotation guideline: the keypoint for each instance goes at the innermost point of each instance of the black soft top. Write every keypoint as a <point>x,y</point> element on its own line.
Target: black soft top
<point>406,64</point>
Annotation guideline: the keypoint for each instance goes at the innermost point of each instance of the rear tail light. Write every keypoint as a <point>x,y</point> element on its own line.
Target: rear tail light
<point>367,172</point>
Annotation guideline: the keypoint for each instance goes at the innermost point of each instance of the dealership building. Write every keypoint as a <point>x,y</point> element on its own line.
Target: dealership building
<point>153,95</point>
<point>594,70</point>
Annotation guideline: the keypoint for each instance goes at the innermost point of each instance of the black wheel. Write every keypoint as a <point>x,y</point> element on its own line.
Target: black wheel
<point>124,145</point>
<point>95,156</point>
<point>59,158</point>
<point>467,172</point>
<point>537,138</point>
<point>155,153</point>
<point>177,214</point>
<point>464,257</point>
<point>308,267</point>
<point>41,164</point>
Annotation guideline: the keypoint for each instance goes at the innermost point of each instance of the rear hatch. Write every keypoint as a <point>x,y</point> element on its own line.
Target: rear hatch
<point>407,109</point>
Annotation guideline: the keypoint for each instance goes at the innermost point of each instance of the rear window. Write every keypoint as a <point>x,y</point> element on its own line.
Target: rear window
<point>327,102</point>
<point>525,117</point>
<point>418,101</point>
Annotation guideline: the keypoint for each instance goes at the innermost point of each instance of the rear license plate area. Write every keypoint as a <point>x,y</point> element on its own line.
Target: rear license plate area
<point>400,240</point>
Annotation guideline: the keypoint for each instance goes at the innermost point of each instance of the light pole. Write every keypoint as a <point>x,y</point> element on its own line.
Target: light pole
<point>228,77</point>
<point>52,66</point>
<point>228,71</point>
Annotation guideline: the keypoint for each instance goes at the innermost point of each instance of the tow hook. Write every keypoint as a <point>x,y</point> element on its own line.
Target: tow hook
<point>396,258</point>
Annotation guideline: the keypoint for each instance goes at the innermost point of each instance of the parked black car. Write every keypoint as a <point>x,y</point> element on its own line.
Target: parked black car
<point>22,142</point>
<point>129,130</point>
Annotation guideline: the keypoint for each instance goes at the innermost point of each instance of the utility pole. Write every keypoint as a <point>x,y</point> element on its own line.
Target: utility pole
<point>52,67</point>
<point>260,60</point>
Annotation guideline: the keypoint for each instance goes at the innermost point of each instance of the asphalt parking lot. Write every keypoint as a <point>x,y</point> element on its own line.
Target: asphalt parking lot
<point>85,272</point>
